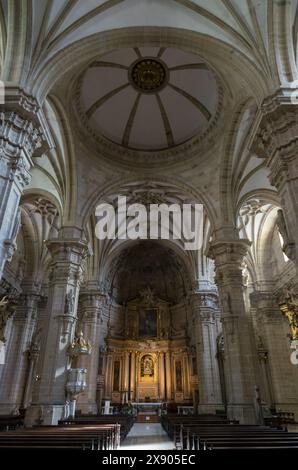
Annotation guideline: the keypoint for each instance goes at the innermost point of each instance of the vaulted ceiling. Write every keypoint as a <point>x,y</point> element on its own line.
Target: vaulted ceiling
<point>95,53</point>
<point>250,27</point>
<point>131,96</point>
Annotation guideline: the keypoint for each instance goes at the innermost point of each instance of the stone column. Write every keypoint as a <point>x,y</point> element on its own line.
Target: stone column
<point>109,376</point>
<point>132,376</point>
<point>186,375</point>
<point>161,375</point>
<point>100,392</point>
<point>16,364</point>
<point>273,329</point>
<point>91,310</point>
<point>48,397</point>
<point>32,354</point>
<point>239,355</point>
<point>204,308</point>
<point>126,376</point>
<point>169,376</point>
<point>23,134</point>
<point>276,140</point>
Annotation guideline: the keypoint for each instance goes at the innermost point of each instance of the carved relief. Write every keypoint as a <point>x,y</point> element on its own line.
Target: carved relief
<point>7,309</point>
<point>290,309</point>
<point>147,366</point>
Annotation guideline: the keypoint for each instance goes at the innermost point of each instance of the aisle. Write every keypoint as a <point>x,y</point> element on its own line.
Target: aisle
<point>147,436</point>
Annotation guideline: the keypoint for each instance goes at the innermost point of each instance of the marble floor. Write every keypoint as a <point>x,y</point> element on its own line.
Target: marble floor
<point>143,436</point>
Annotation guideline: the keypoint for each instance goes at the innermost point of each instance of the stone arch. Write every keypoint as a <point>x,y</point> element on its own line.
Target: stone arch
<point>81,52</point>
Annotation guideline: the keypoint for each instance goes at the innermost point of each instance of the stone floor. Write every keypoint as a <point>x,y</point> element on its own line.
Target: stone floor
<point>147,436</point>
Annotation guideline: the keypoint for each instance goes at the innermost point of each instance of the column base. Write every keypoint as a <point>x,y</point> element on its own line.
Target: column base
<point>209,409</point>
<point>43,415</point>
<point>244,413</point>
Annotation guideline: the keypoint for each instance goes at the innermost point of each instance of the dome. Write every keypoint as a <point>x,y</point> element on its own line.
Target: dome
<point>148,98</point>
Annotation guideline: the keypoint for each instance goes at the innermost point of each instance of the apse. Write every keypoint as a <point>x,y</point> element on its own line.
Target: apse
<point>150,264</point>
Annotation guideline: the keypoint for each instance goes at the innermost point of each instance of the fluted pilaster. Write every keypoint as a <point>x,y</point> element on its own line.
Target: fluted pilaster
<point>66,275</point>
<point>239,355</point>
<point>204,310</point>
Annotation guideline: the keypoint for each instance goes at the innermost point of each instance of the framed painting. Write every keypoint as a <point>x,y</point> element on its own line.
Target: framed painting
<point>148,322</point>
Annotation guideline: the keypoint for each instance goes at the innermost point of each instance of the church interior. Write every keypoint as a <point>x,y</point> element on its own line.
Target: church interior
<point>170,102</point>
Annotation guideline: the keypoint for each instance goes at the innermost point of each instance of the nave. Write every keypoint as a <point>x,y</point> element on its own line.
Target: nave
<point>144,436</point>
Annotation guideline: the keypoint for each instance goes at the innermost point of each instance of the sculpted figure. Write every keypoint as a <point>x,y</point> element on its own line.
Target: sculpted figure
<point>69,303</point>
<point>7,309</point>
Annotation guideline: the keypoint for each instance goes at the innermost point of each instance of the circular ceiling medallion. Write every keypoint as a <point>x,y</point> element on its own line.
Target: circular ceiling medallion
<point>148,75</point>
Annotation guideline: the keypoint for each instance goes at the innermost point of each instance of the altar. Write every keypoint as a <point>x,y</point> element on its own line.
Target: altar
<point>147,407</point>
<point>148,411</point>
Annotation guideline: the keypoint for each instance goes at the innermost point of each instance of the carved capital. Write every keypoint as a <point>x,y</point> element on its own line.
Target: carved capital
<point>228,253</point>
<point>23,126</point>
<point>207,315</point>
<point>91,306</point>
<point>68,259</point>
<point>276,126</point>
<point>205,306</point>
<point>228,257</point>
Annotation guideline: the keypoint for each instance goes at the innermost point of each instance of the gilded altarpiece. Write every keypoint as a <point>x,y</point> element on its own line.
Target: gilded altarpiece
<point>151,362</point>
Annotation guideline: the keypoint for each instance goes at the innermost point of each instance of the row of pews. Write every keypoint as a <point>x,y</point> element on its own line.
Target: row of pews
<point>212,432</point>
<point>10,422</point>
<point>89,433</point>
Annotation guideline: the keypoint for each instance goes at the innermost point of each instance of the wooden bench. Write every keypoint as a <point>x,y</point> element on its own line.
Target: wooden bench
<point>8,422</point>
<point>203,434</point>
<point>92,437</point>
<point>125,422</point>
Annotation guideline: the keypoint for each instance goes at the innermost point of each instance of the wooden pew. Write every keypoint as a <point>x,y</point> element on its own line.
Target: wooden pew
<point>93,437</point>
<point>126,422</point>
<point>193,433</point>
<point>8,422</point>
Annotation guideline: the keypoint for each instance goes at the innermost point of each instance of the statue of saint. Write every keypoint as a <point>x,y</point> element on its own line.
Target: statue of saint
<point>289,307</point>
<point>7,309</point>
<point>69,303</point>
<point>292,316</point>
<point>147,368</point>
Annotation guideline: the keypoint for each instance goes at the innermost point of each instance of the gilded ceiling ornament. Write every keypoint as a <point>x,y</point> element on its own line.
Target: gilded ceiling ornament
<point>148,75</point>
